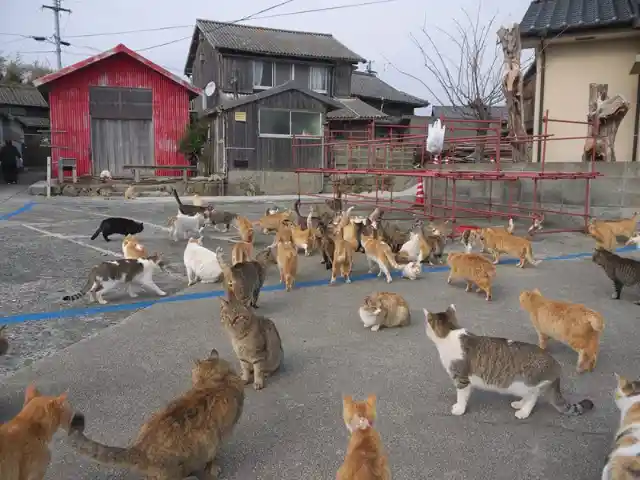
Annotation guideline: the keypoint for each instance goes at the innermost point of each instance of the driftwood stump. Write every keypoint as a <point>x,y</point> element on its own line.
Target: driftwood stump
<point>512,87</point>
<point>604,117</point>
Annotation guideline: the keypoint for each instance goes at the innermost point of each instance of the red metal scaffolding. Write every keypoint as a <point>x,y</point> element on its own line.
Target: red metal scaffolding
<point>369,163</point>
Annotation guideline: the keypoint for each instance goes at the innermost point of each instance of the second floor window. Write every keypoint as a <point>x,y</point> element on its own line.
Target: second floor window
<point>319,79</point>
<point>263,75</point>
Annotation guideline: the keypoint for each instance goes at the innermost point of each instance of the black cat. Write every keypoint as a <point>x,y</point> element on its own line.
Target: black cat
<point>119,226</point>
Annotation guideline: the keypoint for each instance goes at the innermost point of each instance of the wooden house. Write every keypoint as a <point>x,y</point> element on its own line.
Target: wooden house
<point>117,108</point>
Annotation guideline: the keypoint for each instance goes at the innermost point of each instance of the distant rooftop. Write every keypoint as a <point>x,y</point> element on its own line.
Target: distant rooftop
<point>21,95</point>
<point>368,85</point>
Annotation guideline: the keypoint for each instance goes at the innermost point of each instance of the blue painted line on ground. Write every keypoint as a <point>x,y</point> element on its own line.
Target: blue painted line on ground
<point>122,307</point>
<point>25,208</point>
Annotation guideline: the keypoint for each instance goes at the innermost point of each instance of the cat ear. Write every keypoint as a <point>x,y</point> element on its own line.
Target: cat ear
<point>30,393</point>
<point>537,291</point>
<point>371,402</point>
<point>62,398</point>
<point>427,314</point>
<point>452,308</point>
<point>347,400</point>
<point>622,381</point>
<point>214,355</point>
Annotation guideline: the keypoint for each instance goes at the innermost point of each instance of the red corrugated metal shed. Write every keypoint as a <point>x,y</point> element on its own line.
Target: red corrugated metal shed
<point>68,91</point>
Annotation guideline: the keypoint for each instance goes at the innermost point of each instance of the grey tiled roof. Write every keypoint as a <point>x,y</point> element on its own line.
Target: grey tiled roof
<point>230,104</point>
<point>23,95</point>
<point>33,122</point>
<point>465,112</point>
<point>546,18</point>
<point>355,109</point>
<point>368,85</point>
<point>269,41</point>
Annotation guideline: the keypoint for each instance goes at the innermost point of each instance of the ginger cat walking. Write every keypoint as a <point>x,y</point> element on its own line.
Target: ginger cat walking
<point>365,458</point>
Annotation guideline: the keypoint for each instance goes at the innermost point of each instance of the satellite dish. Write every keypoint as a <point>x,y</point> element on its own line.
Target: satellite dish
<point>210,89</point>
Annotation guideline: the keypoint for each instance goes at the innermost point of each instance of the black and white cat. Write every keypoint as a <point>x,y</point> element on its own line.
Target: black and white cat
<point>117,226</point>
<point>108,275</point>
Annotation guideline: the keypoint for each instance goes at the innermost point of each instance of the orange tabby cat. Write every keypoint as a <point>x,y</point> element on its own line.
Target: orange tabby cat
<point>271,223</point>
<point>625,227</point>
<point>497,242</point>
<point>241,252</point>
<point>570,323</point>
<point>342,261</point>
<point>379,252</point>
<point>245,228</point>
<point>287,259</point>
<point>302,239</point>
<point>365,458</point>
<point>473,268</point>
<point>603,234</point>
<point>24,440</point>
<point>132,248</point>
<point>348,228</point>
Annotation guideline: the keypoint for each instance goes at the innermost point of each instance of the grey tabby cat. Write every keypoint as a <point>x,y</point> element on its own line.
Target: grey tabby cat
<point>244,280</point>
<point>497,365</point>
<point>255,341</point>
<point>220,217</point>
<point>108,275</point>
<point>622,271</point>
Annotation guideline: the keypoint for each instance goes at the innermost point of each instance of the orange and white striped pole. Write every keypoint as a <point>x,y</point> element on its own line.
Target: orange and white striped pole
<point>420,192</point>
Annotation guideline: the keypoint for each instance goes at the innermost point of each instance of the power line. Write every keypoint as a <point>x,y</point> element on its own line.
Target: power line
<point>255,17</point>
<point>56,9</point>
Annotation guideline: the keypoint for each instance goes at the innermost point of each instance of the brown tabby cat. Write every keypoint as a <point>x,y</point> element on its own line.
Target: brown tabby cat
<point>570,323</point>
<point>183,438</point>
<point>254,339</point>
<point>24,440</point>
<point>497,365</point>
<point>287,260</point>
<point>497,242</point>
<point>365,458</point>
<point>384,309</point>
<point>327,245</point>
<point>245,280</point>
<point>623,463</point>
<point>473,268</point>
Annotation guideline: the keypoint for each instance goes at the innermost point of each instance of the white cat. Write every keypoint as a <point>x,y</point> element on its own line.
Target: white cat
<point>412,247</point>
<point>201,263</point>
<point>411,270</point>
<point>182,225</point>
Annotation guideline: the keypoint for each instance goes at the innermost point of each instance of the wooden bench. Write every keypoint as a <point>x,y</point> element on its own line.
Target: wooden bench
<point>136,169</point>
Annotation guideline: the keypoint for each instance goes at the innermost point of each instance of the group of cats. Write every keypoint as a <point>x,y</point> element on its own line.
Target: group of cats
<point>183,438</point>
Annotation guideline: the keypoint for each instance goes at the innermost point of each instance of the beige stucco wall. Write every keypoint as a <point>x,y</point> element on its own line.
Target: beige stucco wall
<point>570,68</point>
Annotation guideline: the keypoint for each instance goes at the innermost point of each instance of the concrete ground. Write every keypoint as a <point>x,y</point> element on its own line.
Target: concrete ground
<point>118,376</point>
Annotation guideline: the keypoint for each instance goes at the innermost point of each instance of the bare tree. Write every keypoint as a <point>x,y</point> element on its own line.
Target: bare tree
<point>472,81</point>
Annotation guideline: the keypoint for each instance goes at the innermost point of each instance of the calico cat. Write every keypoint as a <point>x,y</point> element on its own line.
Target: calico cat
<point>603,235</point>
<point>117,226</point>
<point>201,263</point>
<point>365,458</point>
<point>287,260</point>
<point>25,439</point>
<point>570,323</point>
<point>241,252</point>
<point>182,439</point>
<point>420,248</point>
<point>132,248</point>
<point>498,365</point>
<point>623,463</point>
<point>190,209</point>
<point>384,309</point>
<point>244,281</point>
<point>473,268</point>
<point>255,341</point>
<point>4,343</point>
<point>497,242</point>
<point>624,272</point>
<point>107,275</point>
<point>411,270</point>
<point>342,260</point>
<point>183,225</point>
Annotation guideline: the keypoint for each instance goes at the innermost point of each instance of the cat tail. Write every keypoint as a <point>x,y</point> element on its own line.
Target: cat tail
<point>175,195</point>
<point>391,260</point>
<point>561,405</point>
<point>530,258</point>
<point>124,457</point>
<point>596,321</point>
<point>81,293</point>
<point>98,232</point>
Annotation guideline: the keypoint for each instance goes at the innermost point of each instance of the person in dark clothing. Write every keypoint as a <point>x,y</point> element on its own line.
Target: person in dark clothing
<point>9,156</point>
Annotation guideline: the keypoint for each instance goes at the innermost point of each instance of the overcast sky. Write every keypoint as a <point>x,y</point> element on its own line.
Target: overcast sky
<point>375,32</point>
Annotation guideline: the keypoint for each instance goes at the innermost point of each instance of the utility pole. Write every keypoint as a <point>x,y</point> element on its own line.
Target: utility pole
<point>56,8</point>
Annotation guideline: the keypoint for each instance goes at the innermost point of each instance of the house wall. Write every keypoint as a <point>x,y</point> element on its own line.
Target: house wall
<point>71,122</point>
<point>569,69</point>
<point>246,150</point>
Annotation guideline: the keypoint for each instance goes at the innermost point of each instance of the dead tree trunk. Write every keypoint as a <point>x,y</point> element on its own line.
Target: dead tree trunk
<point>512,87</point>
<point>605,116</point>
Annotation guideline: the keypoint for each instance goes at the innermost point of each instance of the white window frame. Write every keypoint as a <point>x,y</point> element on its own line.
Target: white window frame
<point>273,75</point>
<point>275,135</point>
<point>326,71</point>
